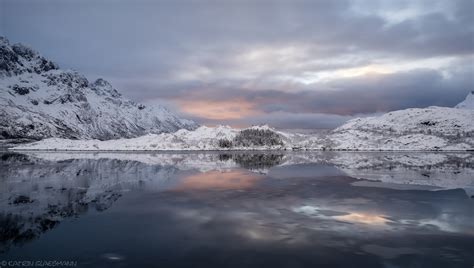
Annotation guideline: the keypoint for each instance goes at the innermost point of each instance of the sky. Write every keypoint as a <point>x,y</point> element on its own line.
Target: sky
<point>290,64</point>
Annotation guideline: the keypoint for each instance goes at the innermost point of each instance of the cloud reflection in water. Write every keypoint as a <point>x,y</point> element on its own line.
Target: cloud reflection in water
<point>307,211</point>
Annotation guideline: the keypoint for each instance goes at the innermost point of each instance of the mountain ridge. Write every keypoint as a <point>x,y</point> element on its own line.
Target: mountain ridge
<point>39,100</point>
<point>415,129</point>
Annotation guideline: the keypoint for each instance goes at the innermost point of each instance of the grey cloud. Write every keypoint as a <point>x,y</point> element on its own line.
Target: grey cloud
<point>350,96</point>
<point>155,36</point>
<point>146,48</point>
<point>328,105</point>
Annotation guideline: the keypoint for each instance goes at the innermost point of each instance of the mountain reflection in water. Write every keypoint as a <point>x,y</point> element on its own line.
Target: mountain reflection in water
<point>239,209</point>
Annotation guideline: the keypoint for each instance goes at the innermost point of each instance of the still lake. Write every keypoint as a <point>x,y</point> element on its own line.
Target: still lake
<point>238,209</point>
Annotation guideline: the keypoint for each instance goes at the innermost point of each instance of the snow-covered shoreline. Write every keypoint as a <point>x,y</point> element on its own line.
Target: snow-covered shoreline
<point>429,129</point>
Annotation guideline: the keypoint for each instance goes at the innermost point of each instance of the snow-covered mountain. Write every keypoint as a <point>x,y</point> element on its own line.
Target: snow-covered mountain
<point>429,129</point>
<point>39,100</point>
<point>432,128</point>
<point>468,103</point>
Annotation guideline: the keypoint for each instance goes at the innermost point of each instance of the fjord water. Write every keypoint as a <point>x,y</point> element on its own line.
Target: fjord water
<point>238,209</point>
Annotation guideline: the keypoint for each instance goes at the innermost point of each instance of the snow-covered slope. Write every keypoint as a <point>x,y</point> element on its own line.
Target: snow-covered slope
<point>203,138</point>
<point>468,103</point>
<point>38,100</point>
<point>433,128</point>
<point>430,129</point>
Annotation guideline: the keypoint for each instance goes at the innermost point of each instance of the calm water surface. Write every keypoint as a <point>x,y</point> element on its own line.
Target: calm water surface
<point>238,209</point>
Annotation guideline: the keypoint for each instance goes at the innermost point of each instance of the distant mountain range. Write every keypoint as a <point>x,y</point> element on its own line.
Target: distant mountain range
<point>39,100</point>
<point>418,129</point>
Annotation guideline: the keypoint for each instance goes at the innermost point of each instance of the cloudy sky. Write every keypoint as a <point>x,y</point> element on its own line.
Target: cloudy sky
<point>291,64</point>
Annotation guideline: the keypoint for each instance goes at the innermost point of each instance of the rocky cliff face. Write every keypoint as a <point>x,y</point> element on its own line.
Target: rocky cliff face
<point>39,100</point>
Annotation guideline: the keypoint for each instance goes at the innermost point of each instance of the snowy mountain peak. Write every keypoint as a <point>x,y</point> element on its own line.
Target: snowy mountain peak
<point>18,59</point>
<point>103,87</point>
<point>39,100</point>
<point>468,103</point>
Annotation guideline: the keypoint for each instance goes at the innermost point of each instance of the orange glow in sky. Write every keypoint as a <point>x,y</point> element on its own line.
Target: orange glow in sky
<point>366,218</point>
<point>218,110</point>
